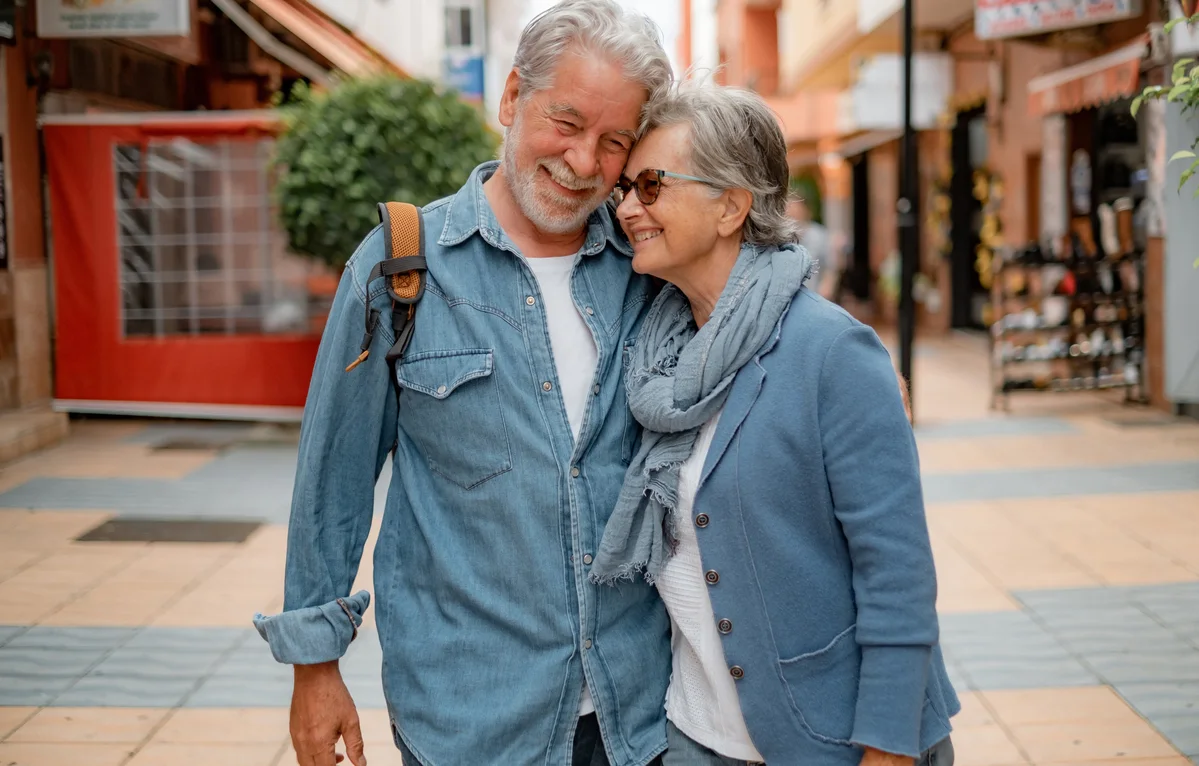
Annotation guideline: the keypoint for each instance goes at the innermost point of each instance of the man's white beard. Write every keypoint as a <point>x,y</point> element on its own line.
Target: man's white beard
<point>548,211</point>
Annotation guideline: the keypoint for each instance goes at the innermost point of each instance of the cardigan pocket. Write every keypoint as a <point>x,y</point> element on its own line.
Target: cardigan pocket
<point>823,686</point>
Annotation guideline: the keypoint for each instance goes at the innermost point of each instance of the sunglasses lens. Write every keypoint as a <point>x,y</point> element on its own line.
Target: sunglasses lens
<point>648,187</point>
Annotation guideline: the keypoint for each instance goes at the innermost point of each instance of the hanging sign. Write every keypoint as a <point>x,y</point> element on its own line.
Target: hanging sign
<point>113,18</point>
<point>997,19</point>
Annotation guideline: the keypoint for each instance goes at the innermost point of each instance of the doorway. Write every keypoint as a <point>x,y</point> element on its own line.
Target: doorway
<point>968,298</point>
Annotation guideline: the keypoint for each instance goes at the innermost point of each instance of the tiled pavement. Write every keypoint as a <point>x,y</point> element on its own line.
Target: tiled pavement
<point>1066,536</point>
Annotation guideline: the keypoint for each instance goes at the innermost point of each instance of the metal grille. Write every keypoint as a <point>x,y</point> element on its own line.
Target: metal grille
<point>201,250</point>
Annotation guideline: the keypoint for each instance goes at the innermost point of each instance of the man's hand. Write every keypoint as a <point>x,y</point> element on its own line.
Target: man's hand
<point>903,392</point>
<point>874,757</point>
<point>322,712</point>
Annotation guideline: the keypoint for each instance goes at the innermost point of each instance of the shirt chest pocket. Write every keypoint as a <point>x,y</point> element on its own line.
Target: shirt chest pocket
<point>451,410</point>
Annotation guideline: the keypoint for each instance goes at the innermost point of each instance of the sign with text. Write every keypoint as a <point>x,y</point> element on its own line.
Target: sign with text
<point>113,18</point>
<point>997,19</point>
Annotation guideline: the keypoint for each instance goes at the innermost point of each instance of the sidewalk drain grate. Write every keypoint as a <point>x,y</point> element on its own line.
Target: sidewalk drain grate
<point>145,530</point>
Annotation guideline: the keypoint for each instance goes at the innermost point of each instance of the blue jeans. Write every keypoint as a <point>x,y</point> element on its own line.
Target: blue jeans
<point>681,750</point>
<point>588,747</point>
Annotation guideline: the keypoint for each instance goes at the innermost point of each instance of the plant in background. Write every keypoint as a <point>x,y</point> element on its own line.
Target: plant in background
<point>367,141</point>
<point>1183,89</point>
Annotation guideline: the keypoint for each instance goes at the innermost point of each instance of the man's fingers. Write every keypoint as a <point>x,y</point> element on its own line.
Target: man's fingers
<point>353,739</point>
<point>309,753</point>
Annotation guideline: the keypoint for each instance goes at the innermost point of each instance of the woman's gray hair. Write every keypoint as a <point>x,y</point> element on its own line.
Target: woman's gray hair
<point>601,27</point>
<point>736,143</point>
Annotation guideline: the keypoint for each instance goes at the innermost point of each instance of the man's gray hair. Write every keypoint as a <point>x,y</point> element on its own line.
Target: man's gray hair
<point>600,27</point>
<point>736,143</point>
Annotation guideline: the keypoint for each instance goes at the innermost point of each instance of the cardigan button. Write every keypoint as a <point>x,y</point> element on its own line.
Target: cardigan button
<point>712,576</point>
<point>702,520</point>
<point>737,672</point>
<point>725,626</point>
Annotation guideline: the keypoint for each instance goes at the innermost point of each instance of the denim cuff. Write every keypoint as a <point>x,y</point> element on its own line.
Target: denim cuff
<point>314,634</point>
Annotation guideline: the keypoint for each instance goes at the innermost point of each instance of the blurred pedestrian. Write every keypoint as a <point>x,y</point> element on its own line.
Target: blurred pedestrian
<point>815,238</point>
<point>775,498</point>
<point>509,444</point>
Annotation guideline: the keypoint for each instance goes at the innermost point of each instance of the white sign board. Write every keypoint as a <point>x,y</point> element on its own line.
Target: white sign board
<point>113,18</point>
<point>997,19</point>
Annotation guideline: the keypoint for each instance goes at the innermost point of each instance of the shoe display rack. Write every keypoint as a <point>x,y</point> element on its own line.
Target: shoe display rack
<point>1071,317</point>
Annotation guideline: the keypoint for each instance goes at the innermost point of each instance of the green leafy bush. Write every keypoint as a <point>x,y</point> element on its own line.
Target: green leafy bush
<point>1183,89</point>
<point>368,141</point>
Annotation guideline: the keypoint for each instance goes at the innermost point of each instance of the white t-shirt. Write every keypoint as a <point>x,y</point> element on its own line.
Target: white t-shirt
<point>575,355</point>
<point>702,697</point>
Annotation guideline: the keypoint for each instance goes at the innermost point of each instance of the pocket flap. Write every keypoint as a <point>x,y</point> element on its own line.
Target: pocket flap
<point>439,373</point>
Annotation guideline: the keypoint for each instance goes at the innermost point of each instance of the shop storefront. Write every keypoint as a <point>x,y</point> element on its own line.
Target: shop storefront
<point>174,292</point>
<point>1071,301</point>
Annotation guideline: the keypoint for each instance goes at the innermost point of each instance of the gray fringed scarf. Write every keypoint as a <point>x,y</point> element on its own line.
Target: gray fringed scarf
<point>678,380</point>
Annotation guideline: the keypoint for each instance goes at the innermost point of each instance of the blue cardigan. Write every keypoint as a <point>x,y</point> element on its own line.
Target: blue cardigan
<point>811,528</point>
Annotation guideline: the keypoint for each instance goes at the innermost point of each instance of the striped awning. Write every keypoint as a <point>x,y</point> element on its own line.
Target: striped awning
<point>1098,81</point>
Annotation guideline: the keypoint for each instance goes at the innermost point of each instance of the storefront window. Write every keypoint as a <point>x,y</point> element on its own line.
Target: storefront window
<point>200,247</point>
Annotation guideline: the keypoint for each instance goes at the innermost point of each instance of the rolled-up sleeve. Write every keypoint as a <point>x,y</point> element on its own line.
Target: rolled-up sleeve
<point>348,429</point>
<point>874,475</point>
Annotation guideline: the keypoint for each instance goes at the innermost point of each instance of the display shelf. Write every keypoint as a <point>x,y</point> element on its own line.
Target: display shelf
<point>1063,367</point>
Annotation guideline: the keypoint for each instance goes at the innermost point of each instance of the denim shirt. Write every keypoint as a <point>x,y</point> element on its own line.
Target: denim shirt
<point>486,617</point>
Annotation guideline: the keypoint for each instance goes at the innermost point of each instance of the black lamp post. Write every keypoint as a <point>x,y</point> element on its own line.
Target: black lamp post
<point>908,211</point>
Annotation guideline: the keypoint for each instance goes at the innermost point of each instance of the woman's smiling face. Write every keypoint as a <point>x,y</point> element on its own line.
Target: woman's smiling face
<point>672,236</point>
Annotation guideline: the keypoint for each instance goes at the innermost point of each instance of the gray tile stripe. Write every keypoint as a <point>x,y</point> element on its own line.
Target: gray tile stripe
<point>1060,482</point>
<point>162,667</point>
<point>991,427</point>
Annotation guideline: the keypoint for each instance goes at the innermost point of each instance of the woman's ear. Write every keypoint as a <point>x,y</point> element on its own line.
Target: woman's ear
<point>736,208</point>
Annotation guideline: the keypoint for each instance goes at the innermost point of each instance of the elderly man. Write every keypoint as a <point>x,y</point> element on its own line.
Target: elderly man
<point>509,443</point>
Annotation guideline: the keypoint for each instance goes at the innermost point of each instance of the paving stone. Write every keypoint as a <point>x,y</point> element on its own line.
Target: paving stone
<point>18,696</point>
<point>188,639</point>
<point>1118,669</point>
<point>1163,699</point>
<point>1030,674</point>
<point>125,691</point>
<point>72,638</point>
<point>8,632</point>
<point>1182,731</point>
<point>989,427</point>
<point>1058,482</point>
<point>1046,600</point>
<point>241,692</point>
<point>142,663</point>
<point>47,662</point>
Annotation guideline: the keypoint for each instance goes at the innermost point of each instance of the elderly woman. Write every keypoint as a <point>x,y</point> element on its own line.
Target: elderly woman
<point>775,499</point>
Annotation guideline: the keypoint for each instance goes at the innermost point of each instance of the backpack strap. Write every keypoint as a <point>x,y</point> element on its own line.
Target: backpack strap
<point>404,270</point>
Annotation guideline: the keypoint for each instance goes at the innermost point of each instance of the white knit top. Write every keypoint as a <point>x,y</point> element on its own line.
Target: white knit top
<point>702,698</point>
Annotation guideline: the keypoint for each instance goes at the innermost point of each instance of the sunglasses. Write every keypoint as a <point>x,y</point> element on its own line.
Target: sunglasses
<point>648,185</point>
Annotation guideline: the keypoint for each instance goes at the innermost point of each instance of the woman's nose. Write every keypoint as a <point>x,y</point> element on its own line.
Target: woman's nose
<point>629,207</point>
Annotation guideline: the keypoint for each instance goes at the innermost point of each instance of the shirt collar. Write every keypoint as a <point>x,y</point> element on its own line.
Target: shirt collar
<point>470,212</point>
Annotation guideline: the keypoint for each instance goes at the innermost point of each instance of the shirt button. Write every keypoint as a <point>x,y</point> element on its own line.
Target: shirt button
<point>547,386</point>
<point>737,672</point>
<point>574,472</point>
<point>725,626</point>
<point>587,559</point>
<point>702,520</point>
<point>531,300</point>
<point>590,312</point>
<point>587,644</point>
<point>441,390</point>
<point>712,576</point>
<point>596,390</point>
